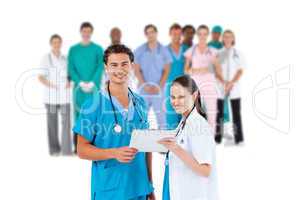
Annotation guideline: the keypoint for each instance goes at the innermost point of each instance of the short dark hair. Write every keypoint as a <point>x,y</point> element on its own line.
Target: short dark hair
<point>188,26</point>
<point>86,25</point>
<point>203,27</point>
<point>117,48</point>
<point>175,26</point>
<point>150,26</point>
<point>55,36</point>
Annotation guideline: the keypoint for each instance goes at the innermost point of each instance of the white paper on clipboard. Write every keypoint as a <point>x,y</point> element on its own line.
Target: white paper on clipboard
<point>147,140</point>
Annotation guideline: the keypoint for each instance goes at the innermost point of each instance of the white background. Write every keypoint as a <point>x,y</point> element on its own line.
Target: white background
<point>269,33</point>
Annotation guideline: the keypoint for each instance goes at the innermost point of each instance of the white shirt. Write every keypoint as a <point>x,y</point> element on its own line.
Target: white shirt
<point>231,60</point>
<point>197,139</point>
<point>54,69</point>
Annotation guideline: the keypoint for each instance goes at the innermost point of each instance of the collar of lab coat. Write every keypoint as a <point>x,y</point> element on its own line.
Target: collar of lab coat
<point>54,57</point>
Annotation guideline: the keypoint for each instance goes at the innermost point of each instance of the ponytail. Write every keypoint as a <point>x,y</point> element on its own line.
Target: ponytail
<point>198,105</point>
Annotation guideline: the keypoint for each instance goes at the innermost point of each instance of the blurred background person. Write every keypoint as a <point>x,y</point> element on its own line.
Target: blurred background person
<point>56,97</point>
<point>152,66</point>
<point>199,59</point>
<point>85,68</point>
<point>232,64</point>
<point>188,35</point>
<point>177,50</point>
<point>216,38</point>
<point>115,35</point>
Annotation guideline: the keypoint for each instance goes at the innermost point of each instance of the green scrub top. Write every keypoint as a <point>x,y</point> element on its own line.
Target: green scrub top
<point>215,44</point>
<point>85,63</point>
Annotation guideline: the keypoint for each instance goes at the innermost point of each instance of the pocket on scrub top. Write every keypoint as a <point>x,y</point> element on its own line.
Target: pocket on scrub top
<point>108,178</point>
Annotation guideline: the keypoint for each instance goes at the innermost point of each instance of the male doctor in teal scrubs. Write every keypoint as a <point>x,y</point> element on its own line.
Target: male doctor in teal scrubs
<point>104,131</point>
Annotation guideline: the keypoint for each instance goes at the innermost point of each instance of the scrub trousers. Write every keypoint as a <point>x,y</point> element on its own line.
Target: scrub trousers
<point>52,129</point>
<point>237,120</point>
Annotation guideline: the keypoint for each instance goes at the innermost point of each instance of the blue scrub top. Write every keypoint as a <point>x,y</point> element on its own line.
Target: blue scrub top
<point>152,61</point>
<point>110,178</point>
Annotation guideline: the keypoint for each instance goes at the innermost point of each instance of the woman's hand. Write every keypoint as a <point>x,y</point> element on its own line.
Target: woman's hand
<point>169,143</point>
<point>125,154</point>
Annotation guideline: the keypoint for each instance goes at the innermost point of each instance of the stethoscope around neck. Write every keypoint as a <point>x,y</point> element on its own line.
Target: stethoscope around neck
<point>179,130</point>
<point>117,128</point>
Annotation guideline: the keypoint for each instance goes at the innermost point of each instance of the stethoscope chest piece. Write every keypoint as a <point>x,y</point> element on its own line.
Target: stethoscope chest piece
<point>181,141</point>
<point>117,128</point>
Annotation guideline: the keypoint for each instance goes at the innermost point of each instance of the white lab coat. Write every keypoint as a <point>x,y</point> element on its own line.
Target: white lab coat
<point>54,69</point>
<point>197,139</point>
<point>231,60</point>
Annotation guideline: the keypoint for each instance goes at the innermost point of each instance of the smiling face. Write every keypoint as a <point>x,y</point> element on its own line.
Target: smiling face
<point>202,35</point>
<point>176,35</point>
<point>151,34</point>
<point>56,44</point>
<point>86,34</point>
<point>118,68</point>
<point>188,34</point>
<point>181,99</point>
<point>115,36</point>
<point>216,36</point>
<point>228,39</point>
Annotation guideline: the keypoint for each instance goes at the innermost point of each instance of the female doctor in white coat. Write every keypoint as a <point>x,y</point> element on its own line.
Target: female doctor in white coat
<point>232,64</point>
<point>190,162</point>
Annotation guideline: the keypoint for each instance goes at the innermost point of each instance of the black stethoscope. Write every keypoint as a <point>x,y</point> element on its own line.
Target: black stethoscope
<point>179,130</point>
<point>117,128</point>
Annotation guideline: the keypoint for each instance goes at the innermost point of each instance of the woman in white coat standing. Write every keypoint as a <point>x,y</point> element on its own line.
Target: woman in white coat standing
<point>190,162</point>
<point>232,64</point>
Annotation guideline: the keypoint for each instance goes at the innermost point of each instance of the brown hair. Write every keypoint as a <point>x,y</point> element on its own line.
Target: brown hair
<point>203,27</point>
<point>187,82</point>
<point>55,36</point>
<point>175,26</point>
<point>150,26</point>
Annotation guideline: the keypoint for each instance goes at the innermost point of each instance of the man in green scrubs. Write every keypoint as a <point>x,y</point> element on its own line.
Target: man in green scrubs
<point>216,36</point>
<point>85,68</point>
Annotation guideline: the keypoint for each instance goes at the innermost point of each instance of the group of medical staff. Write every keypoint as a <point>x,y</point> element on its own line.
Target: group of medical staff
<point>190,87</point>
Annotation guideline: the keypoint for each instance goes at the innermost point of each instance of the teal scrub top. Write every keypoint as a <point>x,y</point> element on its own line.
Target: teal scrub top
<point>215,44</point>
<point>178,63</point>
<point>110,178</point>
<point>176,70</point>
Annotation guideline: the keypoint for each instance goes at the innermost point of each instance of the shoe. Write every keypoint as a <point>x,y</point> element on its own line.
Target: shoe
<point>240,144</point>
<point>228,136</point>
<point>229,143</point>
<point>55,154</point>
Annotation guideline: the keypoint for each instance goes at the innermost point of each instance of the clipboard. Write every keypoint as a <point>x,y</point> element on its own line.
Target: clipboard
<point>147,140</point>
